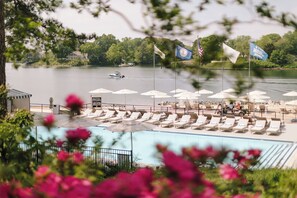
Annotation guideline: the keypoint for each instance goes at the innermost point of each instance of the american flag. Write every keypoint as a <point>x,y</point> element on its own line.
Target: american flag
<point>200,49</point>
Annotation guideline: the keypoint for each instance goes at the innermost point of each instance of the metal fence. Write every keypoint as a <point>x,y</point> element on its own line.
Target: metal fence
<point>119,158</point>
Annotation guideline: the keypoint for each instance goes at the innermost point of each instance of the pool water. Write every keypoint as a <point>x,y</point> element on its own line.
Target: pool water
<point>144,142</point>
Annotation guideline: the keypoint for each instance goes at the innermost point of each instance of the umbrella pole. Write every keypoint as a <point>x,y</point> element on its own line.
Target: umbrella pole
<point>131,139</point>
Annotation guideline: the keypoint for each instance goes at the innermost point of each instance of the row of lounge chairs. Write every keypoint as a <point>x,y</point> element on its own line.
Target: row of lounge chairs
<point>230,124</point>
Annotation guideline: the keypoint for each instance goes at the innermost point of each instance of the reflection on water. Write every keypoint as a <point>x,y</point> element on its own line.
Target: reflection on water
<point>44,83</point>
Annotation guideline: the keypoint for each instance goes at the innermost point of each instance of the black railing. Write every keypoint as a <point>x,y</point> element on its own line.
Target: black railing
<point>100,156</point>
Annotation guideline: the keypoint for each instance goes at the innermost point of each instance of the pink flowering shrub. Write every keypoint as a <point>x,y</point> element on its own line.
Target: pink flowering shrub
<point>181,178</point>
<point>49,121</point>
<point>74,103</point>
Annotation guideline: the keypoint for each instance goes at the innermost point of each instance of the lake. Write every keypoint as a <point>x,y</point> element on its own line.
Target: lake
<point>44,83</point>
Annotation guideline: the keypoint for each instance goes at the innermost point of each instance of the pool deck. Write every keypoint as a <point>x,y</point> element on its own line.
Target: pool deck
<point>288,134</point>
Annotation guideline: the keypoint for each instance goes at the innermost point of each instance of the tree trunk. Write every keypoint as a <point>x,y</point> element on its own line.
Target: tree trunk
<point>3,100</point>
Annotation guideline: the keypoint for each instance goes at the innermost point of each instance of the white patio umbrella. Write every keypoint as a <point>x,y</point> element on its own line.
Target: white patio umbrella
<point>230,90</point>
<point>187,93</point>
<point>203,91</point>
<point>222,95</point>
<point>130,127</point>
<point>291,93</point>
<point>100,91</point>
<point>258,97</point>
<point>161,96</point>
<point>153,93</point>
<point>125,92</point>
<point>187,96</point>
<point>256,92</point>
<point>178,90</point>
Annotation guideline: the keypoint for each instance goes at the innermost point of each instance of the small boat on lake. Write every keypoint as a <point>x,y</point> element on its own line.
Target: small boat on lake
<point>126,65</point>
<point>116,74</point>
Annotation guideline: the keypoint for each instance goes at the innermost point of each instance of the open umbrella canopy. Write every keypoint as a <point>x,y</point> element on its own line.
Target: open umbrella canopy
<point>291,93</point>
<point>188,97</point>
<point>203,91</point>
<point>178,91</point>
<point>125,91</point>
<point>100,91</point>
<point>152,93</point>
<point>185,94</point>
<point>230,90</point>
<point>256,92</point>
<point>222,95</point>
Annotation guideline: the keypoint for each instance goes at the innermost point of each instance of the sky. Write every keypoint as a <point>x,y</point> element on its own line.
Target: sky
<point>113,24</point>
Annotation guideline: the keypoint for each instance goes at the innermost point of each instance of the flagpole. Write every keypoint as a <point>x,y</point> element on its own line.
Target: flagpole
<point>154,79</point>
<point>199,68</point>
<point>175,81</point>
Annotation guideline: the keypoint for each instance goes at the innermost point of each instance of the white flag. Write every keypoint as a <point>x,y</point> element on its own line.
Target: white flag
<point>231,53</point>
<point>159,52</point>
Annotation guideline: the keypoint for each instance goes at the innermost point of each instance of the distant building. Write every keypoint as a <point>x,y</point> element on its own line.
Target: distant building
<point>17,100</point>
<point>77,55</point>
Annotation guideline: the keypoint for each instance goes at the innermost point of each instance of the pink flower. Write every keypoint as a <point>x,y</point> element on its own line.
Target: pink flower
<point>78,134</point>
<point>77,157</point>
<point>74,187</point>
<point>254,153</point>
<point>49,187</point>
<point>185,170</point>
<point>228,172</point>
<point>49,121</point>
<point>5,190</point>
<point>74,102</point>
<point>137,184</point>
<point>63,156</point>
<point>42,171</point>
<point>60,143</point>
<point>23,192</point>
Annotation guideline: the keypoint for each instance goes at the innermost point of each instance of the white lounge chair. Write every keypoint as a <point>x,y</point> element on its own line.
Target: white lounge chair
<point>145,117</point>
<point>274,127</point>
<point>96,114</point>
<point>242,125</point>
<point>228,124</point>
<point>259,127</point>
<point>184,121</point>
<point>169,120</point>
<point>200,122</point>
<point>214,123</point>
<point>108,115</point>
<point>118,118</point>
<point>85,113</point>
<point>155,119</point>
<point>133,116</point>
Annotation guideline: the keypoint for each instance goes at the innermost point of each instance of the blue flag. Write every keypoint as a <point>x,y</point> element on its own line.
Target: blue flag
<point>257,52</point>
<point>183,53</point>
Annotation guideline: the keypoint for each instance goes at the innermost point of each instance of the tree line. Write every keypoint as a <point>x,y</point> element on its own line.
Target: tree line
<point>107,50</point>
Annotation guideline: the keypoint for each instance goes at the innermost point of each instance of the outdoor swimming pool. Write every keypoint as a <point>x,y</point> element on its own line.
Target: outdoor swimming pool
<point>144,142</point>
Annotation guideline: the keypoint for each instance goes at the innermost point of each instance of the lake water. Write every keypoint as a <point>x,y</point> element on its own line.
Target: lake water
<point>44,83</point>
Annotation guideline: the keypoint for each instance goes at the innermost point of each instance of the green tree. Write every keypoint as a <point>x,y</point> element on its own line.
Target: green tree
<point>280,57</point>
<point>241,44</point>
<point>268,42</point>
<point>97,50</point>
<point>212,46</point>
